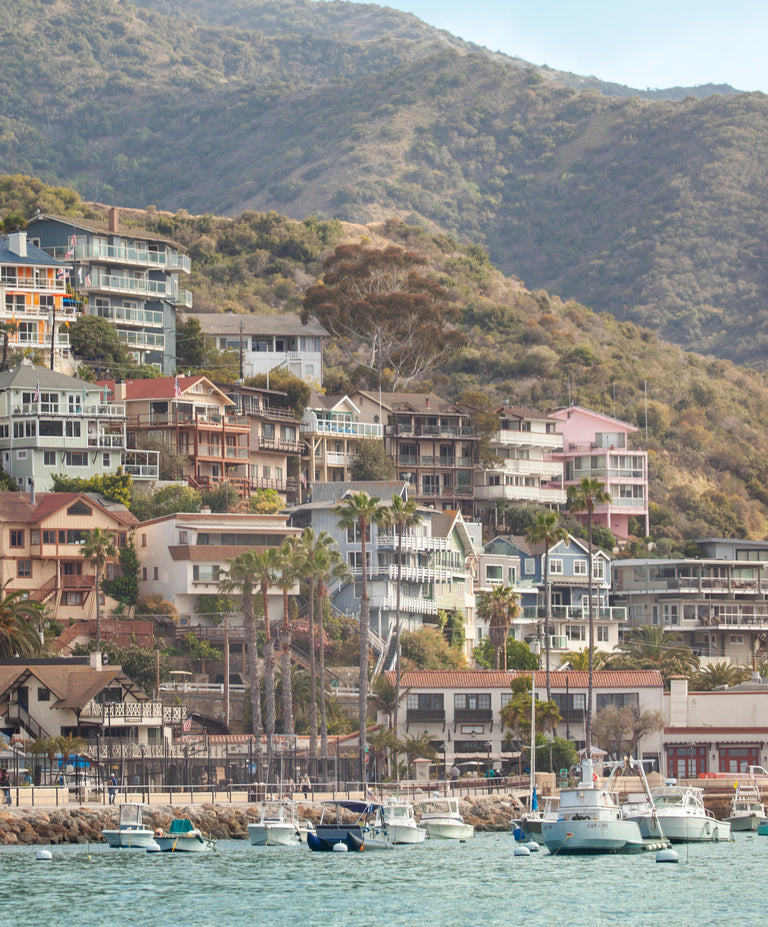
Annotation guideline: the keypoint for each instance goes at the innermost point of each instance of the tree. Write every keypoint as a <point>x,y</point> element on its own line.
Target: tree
<point>402,515</point>
<point>191,350</point>
<point>285,579</point>
<point>168,500</point>
<point>267,565</point>
<point>96,341</point>
<point>113,486</point>
<point>418,746</point>
<point>519,656</point>
<point>20,624</point>
<point>371,461</point>
<point>656,648</point>
<point>718,674</point>
<point>140,663</point>
<point>356,513</point>
<point>583,498</point>
<point>620,730</point>
<point>427,649</point>
<point>385,699</point>
<point>382,745</point>
<point>243,575</point>
<point>266,502</point>
<point>307,567</point>
<point>47,747</point>
<point>498,607</point>
<point>124,588</point>
<point>581,659</point>
<point>546,530</point>
<point>213,608</point>
<point>297,391</point>
<point>384,315</point>
<point>7,328</point>
<point>99,548</point>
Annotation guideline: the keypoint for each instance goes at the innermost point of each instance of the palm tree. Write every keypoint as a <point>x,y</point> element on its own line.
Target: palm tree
<point>657,648</point>
<point>357,512</point>
<point>306,564</point>
<point>583,498</point>
<point>243,575</point>
<point>267,564</point>
<point>547,530</point>
<point>331,567</point>
<point>418,746</point>
<point>579,659</point>
<point>47,747</point>
<point>20,619</point>
<point>498,607</point>
<point>98,548</point>
<point>285,580</point>
<point>719,674</point>
<point>382,744</point>
<point>385,698</point>
<point>402,515</point>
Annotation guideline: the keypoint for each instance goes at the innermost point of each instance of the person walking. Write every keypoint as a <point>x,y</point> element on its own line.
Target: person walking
<point>112,788</point>
<point>5,784</point>
<point>306,785</point>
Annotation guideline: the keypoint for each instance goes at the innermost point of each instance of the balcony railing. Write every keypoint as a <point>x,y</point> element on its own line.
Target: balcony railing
<point>413,605</point>
<point>472,714</point>
<point>388,541</point>
<point>61,409</point>
<point>425,715</point>
<point>104,440</point>
<point>528,439</point>
<point>522,493</point>
<point>574,613</point>
<point>122,713</point>
<point>341,427</point>
<point>429,431</point>
<point>120,253</point>
<point>279,446</point>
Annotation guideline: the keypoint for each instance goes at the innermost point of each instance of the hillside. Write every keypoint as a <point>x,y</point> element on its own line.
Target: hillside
<point>649,205</point>
<point>706,419</point>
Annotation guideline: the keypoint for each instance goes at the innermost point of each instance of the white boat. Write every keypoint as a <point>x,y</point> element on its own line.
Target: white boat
<point>547,809</point>
<point>183,837</point>
<point>747,809</point>
<point>278,825</point>
<point>678,813</point>
<point>130,832</point>
<point>441,818</point>
<point>401,822</point>
<point>589,820</point>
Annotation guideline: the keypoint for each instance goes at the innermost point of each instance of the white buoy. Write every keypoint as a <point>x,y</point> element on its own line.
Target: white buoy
<point>522,851</point>
<point>667,856</point>
<point>532,846</point>
<point>340,848</point>
<point>44,855</point>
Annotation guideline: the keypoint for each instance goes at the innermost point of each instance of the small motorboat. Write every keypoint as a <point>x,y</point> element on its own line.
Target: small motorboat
<point>677,812</point>
<point>747,809</point>
<point>441,818</point>
<point>130,833</point>
<point>402,827</point>
<point>183,837</point>
<point>351,843</point>
<point>361,819</point>
<point>278,826</point>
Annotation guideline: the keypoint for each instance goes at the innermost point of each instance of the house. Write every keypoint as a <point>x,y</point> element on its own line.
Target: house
<point>723,731</point>
<point>716,603</point>
<point>129,276</point>
<point>52,423</point>
<point>331,428</point>
<point>597,447</point>
<point>194,420</point>
<point>82,697</point>
<point>41,537</point>
<point>526,472</point>
<point>35,300</point>
<point>275,438</point>
<point>265,342</point>
<point>459,710</point>
<point>437,569</point>
<point>514,561</point>
<point>184,556</point>
<point>432,443</point>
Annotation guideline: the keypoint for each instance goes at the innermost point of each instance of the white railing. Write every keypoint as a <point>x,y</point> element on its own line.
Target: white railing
<point>532,493</point>
<point>91,251</point>
<point>410,604</point>
<point>528,439</point>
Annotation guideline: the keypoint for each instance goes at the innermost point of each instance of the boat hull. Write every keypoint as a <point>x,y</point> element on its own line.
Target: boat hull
<point>743,823</point>
<point>448,830</point>
<point>187,843</point>
<point>688,828</point>
<point>273,835</point>
<point>403,834</point>
<point>130,839</point>
<point>317,844</point>
<point>585,837</point>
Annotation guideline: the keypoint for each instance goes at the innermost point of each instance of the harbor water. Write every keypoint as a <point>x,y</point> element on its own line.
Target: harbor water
<point>478,883</point>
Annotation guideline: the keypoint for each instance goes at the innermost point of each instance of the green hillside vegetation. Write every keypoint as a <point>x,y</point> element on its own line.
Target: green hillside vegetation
<point>651,206</point>
<point>707,420</point>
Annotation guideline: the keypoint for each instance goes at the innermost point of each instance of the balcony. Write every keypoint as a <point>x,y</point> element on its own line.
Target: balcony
<point>280,446</point>
<point>182,298</point>
<point>425,716</point>
<point>135,286</point>
<point>521,493</point>
<point>124,713</point>
<point>58,409</point>
<point>106,441</point>
<point>121,254</point>
<point>16,284</point>
<point>312,425</point>
<point>142,339</point>
<point>528,439</point>
<point>412,605</point>
<point>574,613</point>
<point>411,542</point>
<point>462,715</point>
<point>403,429</point>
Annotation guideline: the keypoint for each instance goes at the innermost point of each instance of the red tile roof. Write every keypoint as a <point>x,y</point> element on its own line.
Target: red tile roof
<point>156,388</point>
<point>490,679</point>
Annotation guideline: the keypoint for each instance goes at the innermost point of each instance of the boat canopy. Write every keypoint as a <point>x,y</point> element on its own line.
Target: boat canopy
<point>181,826</point>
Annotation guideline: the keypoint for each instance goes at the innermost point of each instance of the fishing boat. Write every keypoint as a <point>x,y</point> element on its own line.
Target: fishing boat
<point>130,832</point>
<point>402,827</point>
<point>278,826</point>
<point>589,819</point>
<point>183,837</point>
<point>340,818</point>
<point>747,809</point>
<point>678,812</point>
<point>441,819</point>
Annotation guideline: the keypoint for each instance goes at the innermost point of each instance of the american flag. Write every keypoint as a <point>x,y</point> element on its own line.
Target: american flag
<point>187,726</point>
<point>176,389</point>
<point>36,394</point>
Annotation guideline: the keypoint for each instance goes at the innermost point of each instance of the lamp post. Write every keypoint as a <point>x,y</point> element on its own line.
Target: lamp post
<point>143,748</point>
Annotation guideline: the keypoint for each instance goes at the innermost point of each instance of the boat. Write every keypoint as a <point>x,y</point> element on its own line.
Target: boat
<point>402,827</point>
<point>441,819</point>
<point>183,837</point>
<point>278,826</point>
<point>130,832</point>
<point>747,809</point>
<point>350,843</point>
<point>542,809</point>
<point>678,813</point>
<point>362,819</point>
<point>589,819</point>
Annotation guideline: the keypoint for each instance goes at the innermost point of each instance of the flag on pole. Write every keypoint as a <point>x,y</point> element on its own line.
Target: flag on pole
<point>176,389</point>
<point>187,726</point>
<point>87,279</point>
<point>36,394</point>
<point>79,274</point>
<point>60,273</point>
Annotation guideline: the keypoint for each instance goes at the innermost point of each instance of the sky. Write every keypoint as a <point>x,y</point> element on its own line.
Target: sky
<point>653,44</point>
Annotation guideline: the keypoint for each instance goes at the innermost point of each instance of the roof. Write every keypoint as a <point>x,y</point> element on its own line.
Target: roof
<point>18,507</point>
<point>73,684</point>
<point>102,228</point>
<point>421,403</point>
<point>161,388</point>
<point>565,412</point>
<point>26,376</point>
<point>34,255</point>
<point>573,679</point>
<point>524,413</point>
<point>229,323</point>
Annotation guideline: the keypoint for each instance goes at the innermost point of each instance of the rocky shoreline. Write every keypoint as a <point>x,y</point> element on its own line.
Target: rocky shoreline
<point>36,826</point>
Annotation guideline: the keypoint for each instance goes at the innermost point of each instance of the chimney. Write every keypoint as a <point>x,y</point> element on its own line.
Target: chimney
<point>31,491</point>
<point>114,219</point>
<point>121,390</point>
<point>678,701</point>
<point>426,401</point>
<point>17,242</point>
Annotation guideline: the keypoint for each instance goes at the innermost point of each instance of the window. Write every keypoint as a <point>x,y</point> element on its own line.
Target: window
<point>617,700</point>
<point>576,632</point>
<point>205,573</point>
<point>737,759</point>
<point>49,458</point>
<point>17,537</point>
<point>76,459</point>
<point>530,566</point>
<point>686,762</point>
<point>23,567</point>
<point>34,536</point>
<point>602,633</point>
<point>598,568</point>
<point>143,540</point>
<point>354,534</point>
<point>555,567</point>
<point>512,575</point>
<point>494,574</point>
<point>105,461</point>
<point>73,430</point>
<point>580,567</point>
<point>425,701</point>
<point>155,573</point>
<point>472,702</point>
<point>266,473</point>
<point>183,537</point>
<point>43,694</point>
<point>143,572</point>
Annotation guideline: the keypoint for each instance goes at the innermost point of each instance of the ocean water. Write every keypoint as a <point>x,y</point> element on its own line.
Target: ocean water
<point>478,883</point>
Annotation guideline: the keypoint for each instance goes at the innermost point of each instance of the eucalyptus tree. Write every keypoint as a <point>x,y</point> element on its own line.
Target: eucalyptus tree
<point>547,530</point>
<point>98,548</point>
<point>498,607</point>
<point>583,497</point>
<point>403,515</point>
<point>243,577</point>
<point>357,512</point>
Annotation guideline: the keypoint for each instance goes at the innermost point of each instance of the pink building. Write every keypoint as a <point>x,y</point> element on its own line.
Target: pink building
<point>597,446</point>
